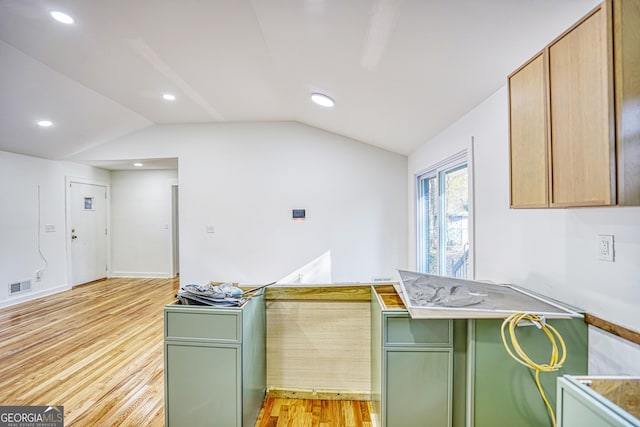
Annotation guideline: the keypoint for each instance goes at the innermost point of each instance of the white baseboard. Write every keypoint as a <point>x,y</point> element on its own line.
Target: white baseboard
<point>141,274</point>
<point>33,295</point>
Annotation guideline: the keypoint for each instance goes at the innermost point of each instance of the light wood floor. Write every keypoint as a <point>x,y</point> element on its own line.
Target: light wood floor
<point>98,351</point>
<point>314,413</point>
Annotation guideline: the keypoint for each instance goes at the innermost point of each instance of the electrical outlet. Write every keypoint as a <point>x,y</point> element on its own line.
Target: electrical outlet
<point>605,247</point>
<point>38,275</point>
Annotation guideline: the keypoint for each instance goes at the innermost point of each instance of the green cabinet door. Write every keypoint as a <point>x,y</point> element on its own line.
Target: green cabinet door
<point>418,387</point>
<point>579,406</point>
<point>578,413</point>
<point>203,388</point>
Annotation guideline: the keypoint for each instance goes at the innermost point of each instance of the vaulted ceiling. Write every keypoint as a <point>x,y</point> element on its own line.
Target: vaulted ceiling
<point>400,71</point>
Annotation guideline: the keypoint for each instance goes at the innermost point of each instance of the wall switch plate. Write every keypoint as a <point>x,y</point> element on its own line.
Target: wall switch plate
<point>605,247</point>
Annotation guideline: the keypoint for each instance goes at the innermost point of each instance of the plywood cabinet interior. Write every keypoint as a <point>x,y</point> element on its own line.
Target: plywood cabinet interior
<point>574,135</point>
<point>581,405</point>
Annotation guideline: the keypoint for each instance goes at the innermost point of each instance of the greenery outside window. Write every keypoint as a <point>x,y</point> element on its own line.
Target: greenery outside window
<point>443,218</point>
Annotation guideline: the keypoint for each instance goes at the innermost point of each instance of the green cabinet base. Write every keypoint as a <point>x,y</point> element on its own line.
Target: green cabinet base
<point>215,366</point>
<point>504,392</point>
<point>418,369</point>
<point>579,406</point>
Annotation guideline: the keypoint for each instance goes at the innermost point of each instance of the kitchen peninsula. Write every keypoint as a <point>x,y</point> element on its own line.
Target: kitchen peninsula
<point>358,341</point>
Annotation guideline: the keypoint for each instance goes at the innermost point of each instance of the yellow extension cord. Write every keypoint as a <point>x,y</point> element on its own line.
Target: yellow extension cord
<point>557,357</point>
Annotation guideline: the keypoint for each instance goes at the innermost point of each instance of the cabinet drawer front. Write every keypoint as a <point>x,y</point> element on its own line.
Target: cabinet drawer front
<point>402,330</point>
<point>200,325</point>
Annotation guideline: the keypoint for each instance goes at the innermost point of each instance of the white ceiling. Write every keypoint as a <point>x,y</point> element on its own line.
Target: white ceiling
<point>399,70</point>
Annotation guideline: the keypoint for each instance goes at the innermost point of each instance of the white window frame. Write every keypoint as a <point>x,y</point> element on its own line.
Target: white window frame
<point>456,160</point>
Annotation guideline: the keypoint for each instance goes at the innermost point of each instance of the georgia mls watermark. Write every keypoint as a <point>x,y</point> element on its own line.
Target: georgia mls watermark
<point>31,416</point>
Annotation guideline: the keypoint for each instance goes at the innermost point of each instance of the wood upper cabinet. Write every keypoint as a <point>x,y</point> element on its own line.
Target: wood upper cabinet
<point>574,136</point>
<point>626,30</point>
<point>582,119</point>
<point>528,133</point>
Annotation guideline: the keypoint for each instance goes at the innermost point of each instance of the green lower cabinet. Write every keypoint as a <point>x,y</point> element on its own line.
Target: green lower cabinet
<point>580,406</point>
<point>418,387</point>
<point>504,392</point>
<point>204,383</point>
<point>457,373</point>
<point>215,366</point>
<point>414,366</point>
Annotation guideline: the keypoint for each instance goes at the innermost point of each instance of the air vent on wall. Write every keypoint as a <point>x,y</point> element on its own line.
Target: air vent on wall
<point>19,287</point>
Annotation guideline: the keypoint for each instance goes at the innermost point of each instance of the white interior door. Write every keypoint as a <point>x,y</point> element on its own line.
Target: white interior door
<point>88,232</point>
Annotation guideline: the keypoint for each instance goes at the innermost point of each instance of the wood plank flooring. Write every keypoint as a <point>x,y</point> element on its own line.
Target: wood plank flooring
<point>278,412</point>
<point>97,350</point>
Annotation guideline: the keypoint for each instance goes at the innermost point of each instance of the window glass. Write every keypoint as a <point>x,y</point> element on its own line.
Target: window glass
<point>443,219</point>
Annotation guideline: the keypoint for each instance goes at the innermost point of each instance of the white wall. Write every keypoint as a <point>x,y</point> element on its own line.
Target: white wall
<point>20,177</point>
<point>552,251</point>
<point>245,178</point>
<point>141,244</point>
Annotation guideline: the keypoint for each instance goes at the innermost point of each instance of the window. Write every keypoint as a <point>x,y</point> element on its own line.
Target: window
<point>443,218</point>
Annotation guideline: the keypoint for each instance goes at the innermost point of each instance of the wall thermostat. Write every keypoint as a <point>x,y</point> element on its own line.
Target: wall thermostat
<point>298,214</point>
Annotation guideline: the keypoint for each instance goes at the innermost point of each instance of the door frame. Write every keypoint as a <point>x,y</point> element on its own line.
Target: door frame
<point>67,194</point>
<point>174,228</point>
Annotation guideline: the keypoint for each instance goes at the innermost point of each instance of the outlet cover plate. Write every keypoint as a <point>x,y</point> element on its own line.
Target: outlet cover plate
<point>605,247</point>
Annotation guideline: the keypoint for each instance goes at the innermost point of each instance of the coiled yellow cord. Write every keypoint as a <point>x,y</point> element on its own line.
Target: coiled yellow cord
<point>557,357</point>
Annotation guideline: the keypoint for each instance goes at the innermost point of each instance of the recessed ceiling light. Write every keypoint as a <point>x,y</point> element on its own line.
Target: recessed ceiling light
<point>138,165</point>
<point>61,17</point>
<point>45,123</point>
<point>322,99</point>
<point>169,97</point>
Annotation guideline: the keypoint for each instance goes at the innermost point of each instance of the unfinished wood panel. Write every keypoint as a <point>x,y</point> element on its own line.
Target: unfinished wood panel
<point>319,293</point>
<point>612,328</point>
<point>582,122</point>
<point>627,79</point>
<point>623,392</point>
<point>277,393</point>
<point>389,298</point>
<point>528,135</point>
<point>319,346</point>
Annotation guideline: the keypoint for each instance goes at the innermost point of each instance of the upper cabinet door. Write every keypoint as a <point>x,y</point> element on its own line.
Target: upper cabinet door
<point>579,99</point>
<point>582,119</point>
<point>626,25</point>
<point>528,135</point>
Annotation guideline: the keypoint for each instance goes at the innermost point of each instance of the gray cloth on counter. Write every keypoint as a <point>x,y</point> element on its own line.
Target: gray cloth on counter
<point>224,295</point>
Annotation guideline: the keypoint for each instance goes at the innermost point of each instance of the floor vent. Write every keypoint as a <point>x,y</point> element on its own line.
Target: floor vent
<point>19,287</point>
